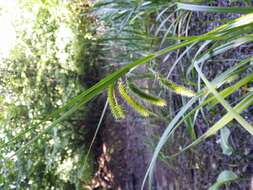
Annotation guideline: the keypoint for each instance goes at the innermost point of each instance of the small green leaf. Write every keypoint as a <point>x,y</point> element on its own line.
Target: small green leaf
<point>224,177</point>
<point>226,147</point>
<point>231,78</point>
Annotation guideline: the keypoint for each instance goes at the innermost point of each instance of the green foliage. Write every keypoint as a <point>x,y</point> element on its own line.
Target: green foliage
<point>130,24</point>
<point>232,34</point>
<point>192,7</point>
<point>42,73</point>
<point>224,177</point>
<point>226,147</point>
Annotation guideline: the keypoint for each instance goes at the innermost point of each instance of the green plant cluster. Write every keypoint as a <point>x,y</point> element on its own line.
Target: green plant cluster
<point>41,73</point>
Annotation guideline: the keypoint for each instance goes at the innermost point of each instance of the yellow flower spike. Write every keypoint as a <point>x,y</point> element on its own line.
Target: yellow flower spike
<point>178,89</point>
<point>135,105</point>
<point>116,109</point>
<point>145,96</point>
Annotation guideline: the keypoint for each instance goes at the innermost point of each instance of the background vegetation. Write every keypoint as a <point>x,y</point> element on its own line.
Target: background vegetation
<point>41,72</point>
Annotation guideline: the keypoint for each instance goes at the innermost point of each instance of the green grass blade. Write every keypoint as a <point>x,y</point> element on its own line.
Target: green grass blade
<point>224,177</point>
<point>163,138</point>
<point>176,122</point>
<point>231,89</point>
<point>235,24</point>
<point>240,107</point>
<point>224,103</point>
<point>204,8</point>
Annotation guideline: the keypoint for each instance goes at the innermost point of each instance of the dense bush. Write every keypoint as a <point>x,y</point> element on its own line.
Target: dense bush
<point>41,73</point>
